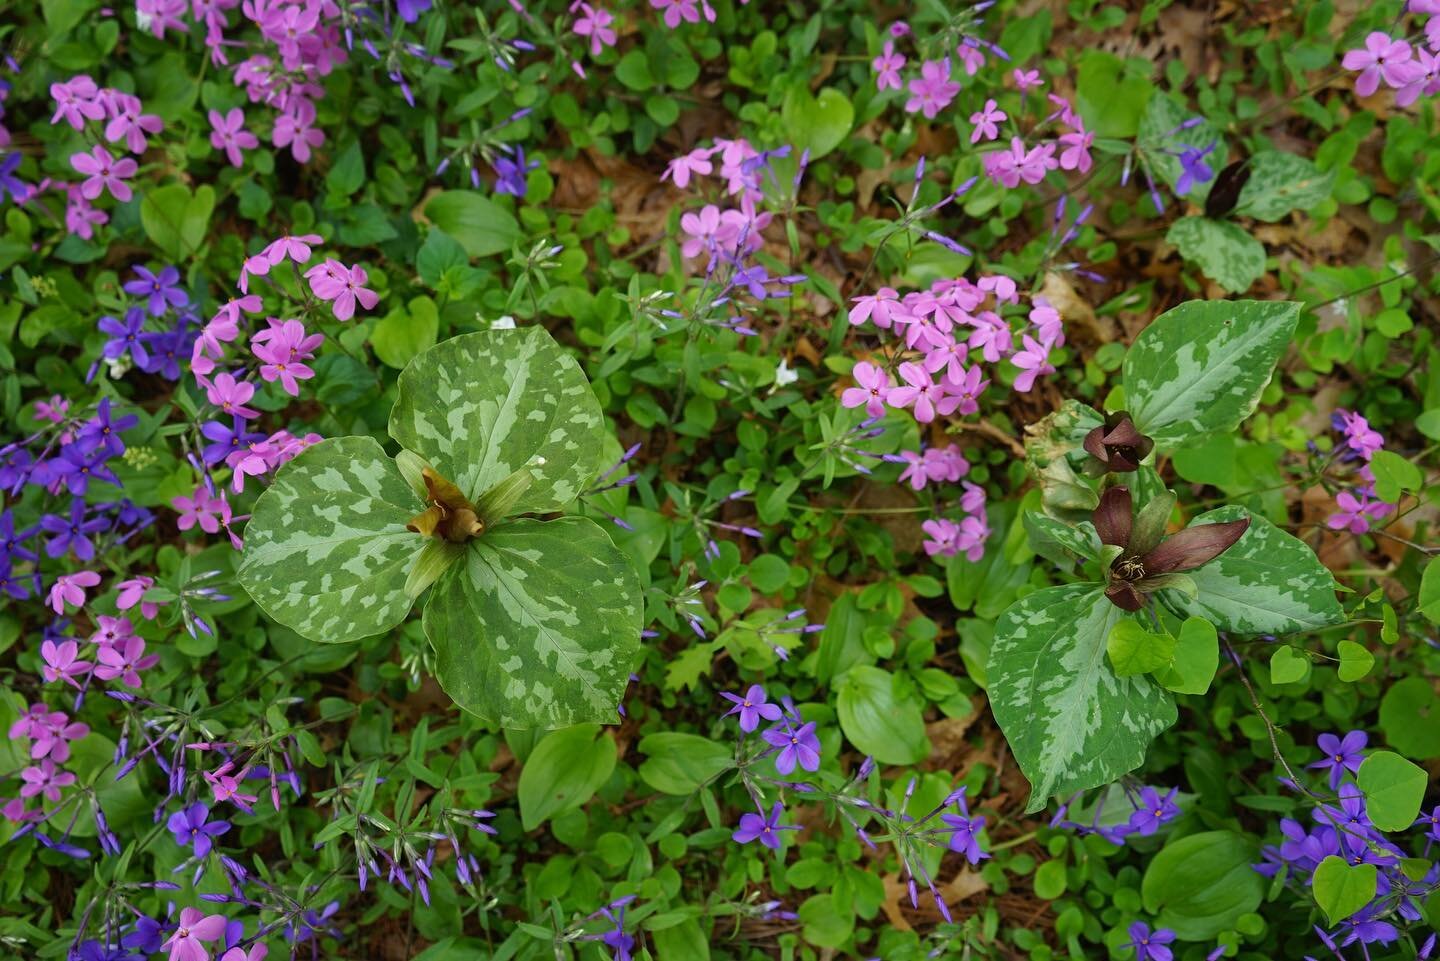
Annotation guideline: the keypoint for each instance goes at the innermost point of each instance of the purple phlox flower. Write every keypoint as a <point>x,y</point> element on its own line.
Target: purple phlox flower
<point>126,336</point>
<point>101,431</point>
<point>965,830</point>
<point>1194,169</point>
<point>510,171</point>
<point>797,744</point>
<point>1341,755</point>
<point>751,708</point>
<point>162,290</point>
<point>766,828</point>
<point>1152,810</point>
<point>1150,945</point>
<point>72,533</point>
<point>1363,927</point>
<point>190,826</point>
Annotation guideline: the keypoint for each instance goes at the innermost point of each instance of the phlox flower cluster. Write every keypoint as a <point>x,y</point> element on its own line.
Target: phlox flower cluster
<point>1149,811</point>
<point>938,341</point>
<point>156,334</point>
<point>1340,827</point>
<point>1358,508</point>
<point>1067,147</point>
<point>943,57</point>
<point>119,120</point>
<point>1411,70</point>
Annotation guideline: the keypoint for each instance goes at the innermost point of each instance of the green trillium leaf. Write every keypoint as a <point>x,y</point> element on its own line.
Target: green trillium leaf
<point>326,552</point>
<point>480,406</point>
<point>1071,722</point>
<point>1268,582</point>
<point>1199,369</point>
<point>539,627</point>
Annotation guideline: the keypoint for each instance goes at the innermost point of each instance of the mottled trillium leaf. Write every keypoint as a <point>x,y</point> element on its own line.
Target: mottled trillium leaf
<point>480,406</point>
<point>326,552</point>
<point>1200,368</point>
<point>1070,721</point>
<point>1267,583</point>
<point>1226,252</point>
<point>539,627</point>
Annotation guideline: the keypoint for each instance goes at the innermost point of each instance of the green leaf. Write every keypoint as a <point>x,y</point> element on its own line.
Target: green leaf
<point>1225,251</point>
<point>1394,789</point>
<point>1288,666</point>
<point>565,770</point>
<point>1163,137</point>
<point>1267,583</point>
<point>540,625</point>
<point>1200,885</point>
<point>480,406</point>
<point>1134,650</point>
<point>176,220</point>
<point>1199,369</point>
<point>1410,718</point>
<point>1355,661</point>
<point>1427,602</point>
<point>1046,533</point>
<point>348,172</point>
<point>679,764</point>
<point>1341,889</point>
<point>405,332</point>
<point>1282,182</point>
<point>1111,94</point>
<point>877,721</point>
<point>819,123</point>
<point>1197,658</point>
<point>827,924</point>
<point>633,71</point>
<point>1071,722</point>
<point>1394,474</point>
<point>327,552</point>
<point>685,941</point>
<point>482,226</point>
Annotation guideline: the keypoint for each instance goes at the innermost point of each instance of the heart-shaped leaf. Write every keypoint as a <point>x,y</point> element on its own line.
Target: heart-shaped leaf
<point>539,627</point>
<point>327,552</point>
<point>480,406</point>
<point>819,123</point>
<point>1071,722</point>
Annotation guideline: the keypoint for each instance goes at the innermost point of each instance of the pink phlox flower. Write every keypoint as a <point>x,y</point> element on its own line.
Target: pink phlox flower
<point>226,787</point>
<point>295,129</point>
<point>257,952</point>
<point>202,509</point>
<point>1356,514</point>
<point>75,101</point>
<point>677,10</point>
<point>971,57</point>
<point>594,22</point>
<point>129,124</point>
<point>965,386</point>
<point>682,168</point>
<point>44,779</point>
<point>103,172</point>
<point>1027,80</point>
<point>992,336</point>
<point>53,410</point>
<point>1428,80</point>
<point>353,292</point>
<point>949,357</point>
<point>194,929</point>
<point>70,589</point>
<point>985,122</point>
<point>327,278</point>
<point>933,90</point>
<point>1048,325</point>
<point>1063,111</point>
<point>1033,361</point>
<point>872,384</point>
<point>62,662</point>
<point>124,661</point>
<point>887,67</point>
<point>1002,287</point>
<point>1382,59</point>
<point>919,391</point>
<point>296,249</point>
<point>110,631</point>
<point>1076,155</point>
<point>228,133</point>
<point>973,500</point>
<point>158,16</point>
<point>231,396</point>
<point>132,592</point>
<point>81,217</point>
<point>881,308</point>
<point>705,231</point>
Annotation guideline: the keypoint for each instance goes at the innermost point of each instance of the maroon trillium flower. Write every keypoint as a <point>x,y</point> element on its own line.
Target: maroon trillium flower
<point>1148,557</point>
<point>1117,445</point>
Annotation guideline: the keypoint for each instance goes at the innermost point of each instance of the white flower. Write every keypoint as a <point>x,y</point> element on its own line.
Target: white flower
<point>503,323</point>
<point>784,376</point>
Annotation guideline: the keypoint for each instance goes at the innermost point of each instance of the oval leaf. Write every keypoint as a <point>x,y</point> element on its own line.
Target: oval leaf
<point>887,728</point>
<point>1200,368</point>
<point>326,552</point>
<point>539,626</point>
<point>1200,885</point>
<point>480,406</point>
<point>1071,723</point>
<point>565,770</point>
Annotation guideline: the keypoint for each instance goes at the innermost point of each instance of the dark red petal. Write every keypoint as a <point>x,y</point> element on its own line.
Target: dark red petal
<point>1095,444</point>
<point>1123,434</point>
<point>1193,547</point>
<point>1124,596</point>
<point>1113,517</point>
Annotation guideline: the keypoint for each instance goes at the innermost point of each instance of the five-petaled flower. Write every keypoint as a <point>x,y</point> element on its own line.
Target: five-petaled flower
<point>766,828</point>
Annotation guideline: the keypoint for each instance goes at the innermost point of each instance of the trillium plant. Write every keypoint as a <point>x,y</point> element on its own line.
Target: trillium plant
<point>1081,675</point>
<point>534,622</point>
